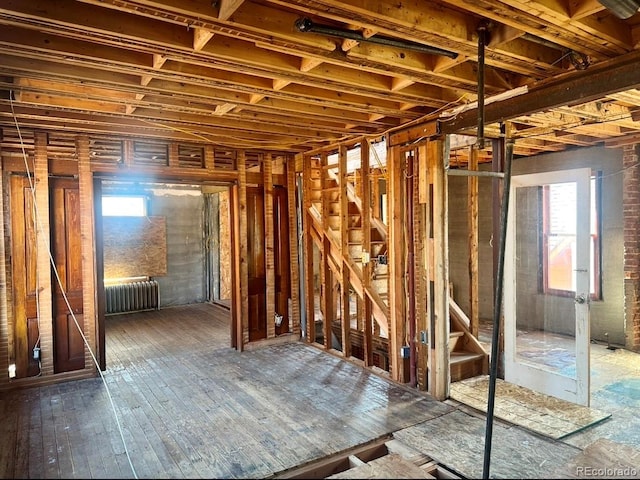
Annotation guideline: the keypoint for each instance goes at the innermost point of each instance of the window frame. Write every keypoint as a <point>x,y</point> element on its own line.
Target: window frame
<point>595,239</point>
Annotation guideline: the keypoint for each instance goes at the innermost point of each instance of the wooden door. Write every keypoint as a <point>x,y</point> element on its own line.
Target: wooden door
<point>24,277</point>
<point>546,335</point>
<point>69,353</point>
<point>256,264</point>
<point>281,257</point>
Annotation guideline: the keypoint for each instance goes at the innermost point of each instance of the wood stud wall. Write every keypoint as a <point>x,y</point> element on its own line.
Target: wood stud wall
<point>5,284</point>
<point>421,264</point>
<point>439,359</point>
<point>345,287</point>
<point>267,166</point>
<point>472,222</point>
<point>397,263</point>
<point>366,318</point>
<point>45,162</point>
<point>429,239</point>
<point>430,262</point>
<point>293,248</point>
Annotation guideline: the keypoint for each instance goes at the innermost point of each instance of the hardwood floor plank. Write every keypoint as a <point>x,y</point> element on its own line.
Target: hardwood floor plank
<point>190,406</point>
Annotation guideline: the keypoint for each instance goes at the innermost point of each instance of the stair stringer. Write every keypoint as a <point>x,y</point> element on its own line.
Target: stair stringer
<point>379,308</point>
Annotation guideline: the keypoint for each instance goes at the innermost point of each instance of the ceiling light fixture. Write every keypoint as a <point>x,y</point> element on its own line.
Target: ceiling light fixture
<point>306,25</point>
<point>622,8</point>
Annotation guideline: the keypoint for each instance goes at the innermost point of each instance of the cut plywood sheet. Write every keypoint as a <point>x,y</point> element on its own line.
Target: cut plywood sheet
<point>134,246</point>
<point>604,458</point>
<point>456,440</point>
<point>527,408</point>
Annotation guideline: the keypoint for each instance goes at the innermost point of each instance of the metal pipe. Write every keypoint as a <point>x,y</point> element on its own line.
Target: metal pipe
<point>497,166</point>
<point>474,173</point>
<point>303,311</point>
<point>542,41</point>
<point>306,25</point>
<point>497,309</point>
<point>411,273</point>
<point>482,40</point>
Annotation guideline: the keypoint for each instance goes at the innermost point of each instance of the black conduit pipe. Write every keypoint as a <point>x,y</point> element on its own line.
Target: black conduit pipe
<point>482,41</point>
<point>411,274</point>
<point>497,309</point>
<point>306,25</point>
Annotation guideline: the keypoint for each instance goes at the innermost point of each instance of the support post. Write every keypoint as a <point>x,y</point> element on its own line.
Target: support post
<point>497,311</point>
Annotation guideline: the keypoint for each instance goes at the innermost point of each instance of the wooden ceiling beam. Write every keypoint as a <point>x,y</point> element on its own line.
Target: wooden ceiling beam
<point>95,123</point>
<point>228,7</point>
<point>418,22</point>
<point>297,110</point>
<point>581,87</point>
<point>368,58</point>
<point>558,28</point>
<point>186,72</point>
<point>200,38</point>
<point>306,100</point>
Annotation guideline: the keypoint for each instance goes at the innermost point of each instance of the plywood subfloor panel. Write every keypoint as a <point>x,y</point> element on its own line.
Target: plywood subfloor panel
<point>604,459</point>
<point>457,441</point>
<point>190,406</point>
<point>534,411</point>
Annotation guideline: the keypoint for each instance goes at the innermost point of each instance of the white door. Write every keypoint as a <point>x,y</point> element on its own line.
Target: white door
<point>546,290</point>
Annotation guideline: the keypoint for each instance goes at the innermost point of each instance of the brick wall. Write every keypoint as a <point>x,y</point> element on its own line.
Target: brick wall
<point>631,209</point>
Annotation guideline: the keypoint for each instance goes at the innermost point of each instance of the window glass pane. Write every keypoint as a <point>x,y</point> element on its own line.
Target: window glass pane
<point>594,216</point>
<point>124,206</point>
<point>560,235</point>
<point>561,257</point>
<point>562,208</point>
<point>561,239</point>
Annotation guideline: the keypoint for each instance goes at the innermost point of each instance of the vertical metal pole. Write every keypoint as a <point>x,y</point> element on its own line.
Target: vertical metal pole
<point>482,40</point>
<point>303,311</point>
<point>497,309</point>
<point>411,274</point>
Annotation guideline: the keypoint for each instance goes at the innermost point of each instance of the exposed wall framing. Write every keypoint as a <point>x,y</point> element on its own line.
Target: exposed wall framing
<point>88,159</point>
<point>417,351</point>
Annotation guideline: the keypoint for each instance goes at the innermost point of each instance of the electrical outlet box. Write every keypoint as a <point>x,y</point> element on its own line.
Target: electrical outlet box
<point>404,351</point>
<point>423,336</point>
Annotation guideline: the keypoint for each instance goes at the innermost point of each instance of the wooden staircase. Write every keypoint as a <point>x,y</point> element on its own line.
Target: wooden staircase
<point>467,356</point>
<point>326,215</point>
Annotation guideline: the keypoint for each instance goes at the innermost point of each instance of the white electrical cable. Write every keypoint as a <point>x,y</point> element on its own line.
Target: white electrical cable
<point>64,295</point>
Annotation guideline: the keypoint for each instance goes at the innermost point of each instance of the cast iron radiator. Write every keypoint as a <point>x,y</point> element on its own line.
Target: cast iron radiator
<point>132,297</point>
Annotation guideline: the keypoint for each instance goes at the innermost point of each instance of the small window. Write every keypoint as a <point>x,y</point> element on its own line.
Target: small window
<point>124,206</point>
<point>559,239</point>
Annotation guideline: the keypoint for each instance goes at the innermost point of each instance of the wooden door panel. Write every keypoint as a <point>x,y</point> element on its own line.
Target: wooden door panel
<point>281,257</point>
<point>67,276</point>
<point>69,346</point>
<point>256,264</point>
<point>24,279</point>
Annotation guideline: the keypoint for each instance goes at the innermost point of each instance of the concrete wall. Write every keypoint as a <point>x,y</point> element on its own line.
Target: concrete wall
<point>607,315</point>
<point>183,208</point>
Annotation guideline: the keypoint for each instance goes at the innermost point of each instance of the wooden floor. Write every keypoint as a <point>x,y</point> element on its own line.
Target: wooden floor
<point>189,406</point>
<point>192,407</point>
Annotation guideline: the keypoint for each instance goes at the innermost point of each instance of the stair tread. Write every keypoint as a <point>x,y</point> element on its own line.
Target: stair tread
<point>459,357</point>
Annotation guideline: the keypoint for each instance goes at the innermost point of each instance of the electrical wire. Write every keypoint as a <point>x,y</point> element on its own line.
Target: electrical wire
<point>38,229</point>
<point>32,189</point>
